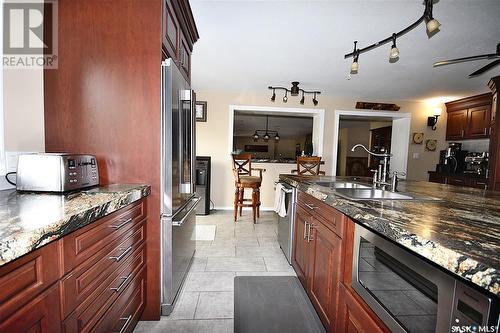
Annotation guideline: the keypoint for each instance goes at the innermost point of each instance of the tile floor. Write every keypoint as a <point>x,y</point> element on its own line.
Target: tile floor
<point>206,302</point>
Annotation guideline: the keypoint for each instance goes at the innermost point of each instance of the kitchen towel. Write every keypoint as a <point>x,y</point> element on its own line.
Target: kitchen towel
<point>279,200</point>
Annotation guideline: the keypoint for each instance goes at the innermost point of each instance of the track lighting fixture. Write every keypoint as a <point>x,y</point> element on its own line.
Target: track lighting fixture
<point>315,101</point>
<point>394,54</point>
<point>432,26</point>
<point>266,132</point>
<point>294,91</point>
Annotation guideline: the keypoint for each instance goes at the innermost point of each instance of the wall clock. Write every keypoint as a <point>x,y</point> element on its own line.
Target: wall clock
<point>430,145</point>
<point>418,138</point>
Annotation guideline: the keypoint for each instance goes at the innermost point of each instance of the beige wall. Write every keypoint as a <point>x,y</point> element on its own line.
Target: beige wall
<point>213,139</point>
<point>23,109</point>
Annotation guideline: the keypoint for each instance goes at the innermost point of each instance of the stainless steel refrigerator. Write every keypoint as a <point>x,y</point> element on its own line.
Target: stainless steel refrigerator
<point>178,200</point>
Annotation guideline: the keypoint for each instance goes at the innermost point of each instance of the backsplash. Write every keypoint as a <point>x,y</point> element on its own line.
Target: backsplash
<point>475,145</point>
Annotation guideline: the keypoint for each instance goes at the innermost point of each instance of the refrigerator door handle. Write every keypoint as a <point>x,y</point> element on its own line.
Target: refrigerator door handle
<point>186,131</point>
<point>186,216</point>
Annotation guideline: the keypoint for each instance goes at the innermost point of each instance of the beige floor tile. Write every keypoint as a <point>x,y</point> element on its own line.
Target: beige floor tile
<point>209,281</point>
<point>277,264</point>
<point>228,264</point>
<point>199,264</point>
<point>258,251</point>
<point>216,251</point>
<point>215,305</point>
<point>186,326</point>
<point>185,306</point>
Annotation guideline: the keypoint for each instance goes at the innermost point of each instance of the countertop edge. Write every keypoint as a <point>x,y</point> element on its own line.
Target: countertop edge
<point>11,249</point>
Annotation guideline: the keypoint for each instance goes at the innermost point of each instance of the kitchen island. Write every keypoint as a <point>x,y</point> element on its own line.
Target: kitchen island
<point>349,252</point>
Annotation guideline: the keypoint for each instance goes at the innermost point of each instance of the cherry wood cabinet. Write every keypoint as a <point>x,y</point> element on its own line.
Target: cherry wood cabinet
<point>494,163</point>
<point>317,255</point>
<point>467,180</point>
<point>93,275</point>
<point>352,317</point>
<point>469,118</point>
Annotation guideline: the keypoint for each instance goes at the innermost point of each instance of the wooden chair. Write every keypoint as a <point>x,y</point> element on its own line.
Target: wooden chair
<point>308,166</point>
<point>242,170</point>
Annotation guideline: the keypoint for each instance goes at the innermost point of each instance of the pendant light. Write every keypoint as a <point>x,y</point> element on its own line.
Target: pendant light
<point>394,54</point>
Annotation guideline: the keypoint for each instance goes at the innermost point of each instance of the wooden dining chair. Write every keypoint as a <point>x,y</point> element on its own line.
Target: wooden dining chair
<point>308,166</point>
<point>243,178</point>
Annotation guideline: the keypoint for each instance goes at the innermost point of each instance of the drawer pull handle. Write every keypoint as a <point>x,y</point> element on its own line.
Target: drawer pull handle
<point>118,226</point>
<point>305,229</point>
<point>127,321</point>
<point>310,206</point>
<point>122,284</point>
<point>124,253</point>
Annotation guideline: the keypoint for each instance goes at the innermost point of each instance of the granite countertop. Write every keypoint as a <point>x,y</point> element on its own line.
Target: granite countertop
<point>31,220</point>
<point>457,228</point>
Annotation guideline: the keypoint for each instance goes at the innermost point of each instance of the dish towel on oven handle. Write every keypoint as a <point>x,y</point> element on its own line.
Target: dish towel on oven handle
<point>279,200</point>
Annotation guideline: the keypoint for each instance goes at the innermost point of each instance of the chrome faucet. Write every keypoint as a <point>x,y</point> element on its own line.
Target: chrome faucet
<point>380,175</point>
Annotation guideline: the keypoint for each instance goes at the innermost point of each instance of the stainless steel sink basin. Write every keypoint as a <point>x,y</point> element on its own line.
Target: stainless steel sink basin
<point>337,185</point>
<point>370,194</point>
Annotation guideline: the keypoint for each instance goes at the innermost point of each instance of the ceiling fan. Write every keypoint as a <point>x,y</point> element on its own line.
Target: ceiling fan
<point>477,57</point>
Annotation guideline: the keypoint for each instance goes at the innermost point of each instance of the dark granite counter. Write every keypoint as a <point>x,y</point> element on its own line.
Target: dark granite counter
<point>457,228</point>
<point>31,220</point>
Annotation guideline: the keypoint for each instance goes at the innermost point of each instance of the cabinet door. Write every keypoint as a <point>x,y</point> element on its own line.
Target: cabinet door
<point>437,178</point>
<point>478,122</point>
<point>41,315</point>
<point>185,57</point>
<point>170,31</point>
<point>300,246</point>
<point>352,317</point>
<point>455,125</point>
<point>324,272</point>
<point>457,181</point>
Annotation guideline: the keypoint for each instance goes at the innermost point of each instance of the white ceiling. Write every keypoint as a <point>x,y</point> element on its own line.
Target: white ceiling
<point>248,45</point>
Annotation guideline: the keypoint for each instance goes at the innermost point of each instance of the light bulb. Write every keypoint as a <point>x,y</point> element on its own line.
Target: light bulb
<point>432,25</point>
<point>285,99</point>
<point>354,67</point>
<point>277,137</point>
<point>394,53</point>
<point>266,137</point>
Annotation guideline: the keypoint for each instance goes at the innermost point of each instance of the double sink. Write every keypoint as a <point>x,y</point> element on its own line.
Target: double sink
<point>356,191</point>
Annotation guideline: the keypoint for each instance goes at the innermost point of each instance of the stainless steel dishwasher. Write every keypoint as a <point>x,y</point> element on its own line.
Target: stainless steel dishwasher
<point>286,224</point>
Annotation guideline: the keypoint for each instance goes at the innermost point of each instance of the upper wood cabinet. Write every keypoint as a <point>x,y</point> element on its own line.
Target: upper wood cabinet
<point>469,118</point>
<point>179,33</point>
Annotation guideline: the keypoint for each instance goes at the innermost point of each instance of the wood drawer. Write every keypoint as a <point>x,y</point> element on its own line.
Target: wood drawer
<point>125,312</point>
<point>90,311</point>
<point>28,276</point>
<point>86,242</point>
<point>41,315</point>
<point>90,279</point>
<point>331,217</point>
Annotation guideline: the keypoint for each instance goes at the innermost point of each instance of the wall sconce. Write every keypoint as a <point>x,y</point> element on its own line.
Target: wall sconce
<point>432,121</point>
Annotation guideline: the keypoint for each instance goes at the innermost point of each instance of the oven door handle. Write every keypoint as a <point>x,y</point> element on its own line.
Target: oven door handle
<point>184,218</point>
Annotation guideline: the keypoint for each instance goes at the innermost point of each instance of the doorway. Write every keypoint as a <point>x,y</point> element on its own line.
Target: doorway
<point>375,130</point>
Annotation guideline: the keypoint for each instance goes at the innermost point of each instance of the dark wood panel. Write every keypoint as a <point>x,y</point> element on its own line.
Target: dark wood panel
<point>494,183</point>
<point>104,99</point>
<point>469,102</point>
<point>26,277</point>
<point>41,315</point>
<point>171,31</point>
<point>325,268</point>
<point>478,122</point>
<point>455,125</point>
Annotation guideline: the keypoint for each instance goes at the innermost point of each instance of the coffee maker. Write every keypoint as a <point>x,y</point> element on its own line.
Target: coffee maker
<point>452,159</point>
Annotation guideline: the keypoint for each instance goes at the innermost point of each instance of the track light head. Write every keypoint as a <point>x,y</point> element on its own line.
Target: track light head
<point>432,25</point>
<point>285,98</point>
<point>273,97</point>
<point>315,101</point>
<point>355,66</point>
<point>394,54</point>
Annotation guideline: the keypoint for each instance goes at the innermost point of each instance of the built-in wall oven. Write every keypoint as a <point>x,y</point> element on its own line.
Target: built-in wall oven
<point>410,295</point>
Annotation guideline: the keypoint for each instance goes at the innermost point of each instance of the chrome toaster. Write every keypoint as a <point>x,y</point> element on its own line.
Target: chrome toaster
<point>56,172</point>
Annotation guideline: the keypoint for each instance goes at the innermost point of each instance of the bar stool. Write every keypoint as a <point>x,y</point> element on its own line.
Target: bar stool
<point>308,166</point>
<point>242,170</point>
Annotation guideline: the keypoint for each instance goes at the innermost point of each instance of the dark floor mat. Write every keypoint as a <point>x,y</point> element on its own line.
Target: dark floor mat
<point>268,304</point>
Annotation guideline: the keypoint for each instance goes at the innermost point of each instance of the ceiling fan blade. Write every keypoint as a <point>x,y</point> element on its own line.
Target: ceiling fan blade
<point>485,68</point>
<point>455,61</point>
